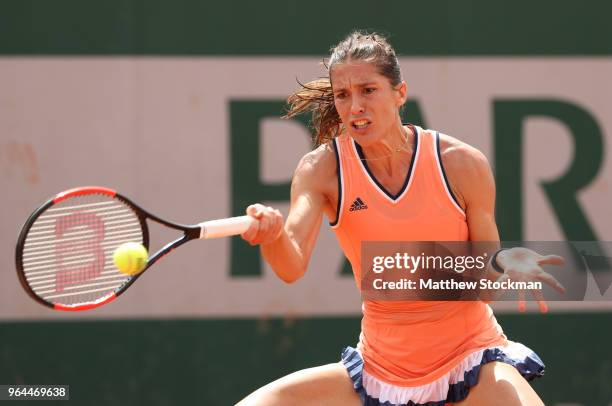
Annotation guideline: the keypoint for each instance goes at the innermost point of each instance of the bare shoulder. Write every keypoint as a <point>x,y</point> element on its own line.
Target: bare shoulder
<point>467,170</point>
<point>317,165</point>
<point>460,157</point>
<point>315,176</point>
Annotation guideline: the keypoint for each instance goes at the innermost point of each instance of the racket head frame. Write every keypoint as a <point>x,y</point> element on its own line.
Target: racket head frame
<point>189,233</point>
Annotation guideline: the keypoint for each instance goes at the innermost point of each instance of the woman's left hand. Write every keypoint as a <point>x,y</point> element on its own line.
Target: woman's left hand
<point>523,264</point>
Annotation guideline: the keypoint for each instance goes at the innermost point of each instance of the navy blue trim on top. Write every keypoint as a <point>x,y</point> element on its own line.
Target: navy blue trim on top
<point>338,174</point>
<point>450,191</point>
<point>408,175</point>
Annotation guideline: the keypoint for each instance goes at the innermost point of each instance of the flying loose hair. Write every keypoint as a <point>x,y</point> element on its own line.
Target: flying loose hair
<point>317,96</point>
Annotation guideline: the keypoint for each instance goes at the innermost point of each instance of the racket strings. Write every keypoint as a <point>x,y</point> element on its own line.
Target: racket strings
<point>67,255</point>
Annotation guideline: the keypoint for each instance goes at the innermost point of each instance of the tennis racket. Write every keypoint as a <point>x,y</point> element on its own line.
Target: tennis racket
<point>64,254</point>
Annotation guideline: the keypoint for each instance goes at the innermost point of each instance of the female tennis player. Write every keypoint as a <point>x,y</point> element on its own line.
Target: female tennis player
<point>377,179</point>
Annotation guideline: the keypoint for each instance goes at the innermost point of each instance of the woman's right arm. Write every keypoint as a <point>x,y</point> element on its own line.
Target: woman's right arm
<point>288,248</point>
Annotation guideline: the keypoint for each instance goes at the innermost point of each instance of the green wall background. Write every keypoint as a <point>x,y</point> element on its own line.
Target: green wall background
<point>295,27</point>
<point>217,362</point>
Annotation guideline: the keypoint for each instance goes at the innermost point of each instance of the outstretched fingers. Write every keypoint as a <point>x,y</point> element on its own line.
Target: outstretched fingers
<point>551,281</point>
<point>541,302</point>
<point>522,303</point>
<point>551,260</point>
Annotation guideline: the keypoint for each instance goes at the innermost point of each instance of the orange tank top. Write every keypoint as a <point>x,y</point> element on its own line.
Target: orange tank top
<point>408,343</point>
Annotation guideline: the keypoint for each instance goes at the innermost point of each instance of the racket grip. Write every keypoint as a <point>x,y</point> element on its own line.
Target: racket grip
<point>225,227</point>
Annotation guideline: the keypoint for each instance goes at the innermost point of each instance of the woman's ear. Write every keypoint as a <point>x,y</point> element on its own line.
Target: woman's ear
<point>402,92</point>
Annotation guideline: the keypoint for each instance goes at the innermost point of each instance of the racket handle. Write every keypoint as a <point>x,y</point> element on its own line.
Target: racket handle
<point>225,227</point>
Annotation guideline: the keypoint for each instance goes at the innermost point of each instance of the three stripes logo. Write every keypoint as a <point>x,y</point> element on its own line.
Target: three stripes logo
<point>358,204</point>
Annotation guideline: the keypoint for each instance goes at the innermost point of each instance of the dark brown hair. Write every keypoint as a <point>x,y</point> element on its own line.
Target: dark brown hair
<point>317,96</point>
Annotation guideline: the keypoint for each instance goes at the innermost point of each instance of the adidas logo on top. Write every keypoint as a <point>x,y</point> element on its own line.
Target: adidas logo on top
<point>358,204</point>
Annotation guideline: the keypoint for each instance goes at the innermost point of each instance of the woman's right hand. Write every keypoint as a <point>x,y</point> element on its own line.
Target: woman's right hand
<point>268,227</point>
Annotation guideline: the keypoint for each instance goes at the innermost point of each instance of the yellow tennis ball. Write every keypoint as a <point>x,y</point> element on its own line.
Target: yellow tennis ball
<point>131,258</point>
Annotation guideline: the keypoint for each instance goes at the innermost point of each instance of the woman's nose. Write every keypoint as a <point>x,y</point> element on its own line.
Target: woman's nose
<point>357,106</point>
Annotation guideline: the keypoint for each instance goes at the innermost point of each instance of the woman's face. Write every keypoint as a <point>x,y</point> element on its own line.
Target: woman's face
<point>365,100</point>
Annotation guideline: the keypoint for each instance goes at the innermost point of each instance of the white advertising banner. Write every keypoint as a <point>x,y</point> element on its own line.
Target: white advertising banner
<point>158,131</point>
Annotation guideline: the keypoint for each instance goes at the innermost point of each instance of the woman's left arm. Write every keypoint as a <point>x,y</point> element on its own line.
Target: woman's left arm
<point>472,181</point>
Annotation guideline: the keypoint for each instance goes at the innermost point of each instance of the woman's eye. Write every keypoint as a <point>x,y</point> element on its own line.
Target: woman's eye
<point>369,90</point>
<point>340,95</point>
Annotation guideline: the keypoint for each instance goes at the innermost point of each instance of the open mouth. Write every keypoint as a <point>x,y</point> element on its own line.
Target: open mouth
<point>361,124</point>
